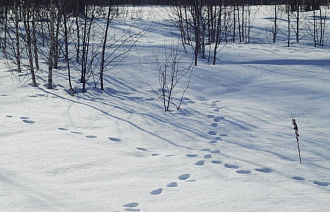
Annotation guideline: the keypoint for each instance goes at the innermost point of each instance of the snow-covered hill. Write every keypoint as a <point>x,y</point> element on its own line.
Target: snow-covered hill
<point>231,147</point>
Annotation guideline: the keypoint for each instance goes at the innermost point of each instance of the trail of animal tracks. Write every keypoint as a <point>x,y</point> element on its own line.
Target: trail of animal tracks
<point>230,148</point>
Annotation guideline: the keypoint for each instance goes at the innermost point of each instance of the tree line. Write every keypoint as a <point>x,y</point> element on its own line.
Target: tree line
<point>206,25</point>
<point>64,31</point>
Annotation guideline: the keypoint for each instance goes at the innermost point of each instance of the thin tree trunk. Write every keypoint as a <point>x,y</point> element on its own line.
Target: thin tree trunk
<point>234,27</point>
<point>67,47</point>
<point>275,22</point>
<point>51,44</point>
<point>18,51</point>
<point>56,42</point>
<point>78,33</point>
<point>288,11</point>
<point>218,34</point>
<point>34,37</point>
<point>6,26</point>
<point>314,32</point>
<point>298,20</point>
<point>104,45</point>
<point>26,17</point>
<point>197,31</point>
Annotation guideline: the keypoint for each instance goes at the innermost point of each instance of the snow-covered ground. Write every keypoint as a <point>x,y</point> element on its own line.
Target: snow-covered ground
<point>232,146</point>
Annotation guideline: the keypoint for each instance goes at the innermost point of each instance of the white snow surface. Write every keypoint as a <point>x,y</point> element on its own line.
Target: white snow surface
<point>231,147</point>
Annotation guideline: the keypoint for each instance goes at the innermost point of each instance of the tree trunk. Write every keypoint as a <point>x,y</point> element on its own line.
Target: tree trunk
<point>288,11</point>
<point>18,51</point>
<point>275,22</point>
<point>26,20</point>
<point>104,45</point>
<point>51,44</point>
<point>67,47</point>
<point>34,37</point>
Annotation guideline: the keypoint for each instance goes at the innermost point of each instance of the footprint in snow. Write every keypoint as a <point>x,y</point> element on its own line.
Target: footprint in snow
<point>184,177</point>
<point>210,116</point>
<point>214,125</point>
<point>231,166</point>
<point>76,132</point>
<point>213,142</point>
<point>199,163</point>
<point>212,133</point>
<point>157,191</point>
<point>172,184</point>
<point>91,136</point>
<point>28,121</point>
<point>243,171</point>
<point>216,161</point>
<point>142,149</point>
<point>298,178</point>
<point>62,128</point>
<point>218,119</point>
<point>264,170</point>
<point>131,206</point>
<point>155,154</point>
<point>206,150</point>
<point>207,156</point>
<point>132,209</point>
<point>319,183</point>
<point>191,155</point>
<point>215,151</point>
<point>114,139</point>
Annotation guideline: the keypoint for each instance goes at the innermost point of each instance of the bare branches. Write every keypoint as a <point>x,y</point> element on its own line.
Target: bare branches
<point>295,127</point>
<point>171,75</point>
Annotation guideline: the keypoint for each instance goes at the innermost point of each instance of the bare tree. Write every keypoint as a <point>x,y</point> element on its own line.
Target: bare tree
<point>51,44</point>
<point>172,75</point>
<point>34,36</point>
<point>64,12</point>
<point>104,44</point>
<point>18,51</point>
<point>26,20</point>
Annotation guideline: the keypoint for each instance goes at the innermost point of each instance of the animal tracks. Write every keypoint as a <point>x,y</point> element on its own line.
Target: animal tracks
<point>157,191</point>
<point>298,178</point>
<point>231,166</point>
<point>182,177</point>
<point>243,171</point>
<point>24,119</point>
<point>319,183</point>
<point>142,149</point>
<point>264,170</point>
<point>131,206</point>
<point>172,184</point>
<point>191,155</point>
<point>216,162</point>
<point>199,163</point>
<point>114,139</point>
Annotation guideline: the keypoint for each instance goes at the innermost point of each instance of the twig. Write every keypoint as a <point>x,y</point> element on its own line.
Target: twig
<point>295,127</point>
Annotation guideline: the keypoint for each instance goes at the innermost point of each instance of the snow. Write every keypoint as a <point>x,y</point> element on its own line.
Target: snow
<point>231,147</point>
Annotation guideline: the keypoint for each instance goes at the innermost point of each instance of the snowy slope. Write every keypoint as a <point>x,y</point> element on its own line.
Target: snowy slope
<point>231,148</point>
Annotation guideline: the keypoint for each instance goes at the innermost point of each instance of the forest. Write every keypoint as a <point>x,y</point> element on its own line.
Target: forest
<point>186,106</point>
<point>62,31</point>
